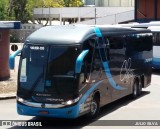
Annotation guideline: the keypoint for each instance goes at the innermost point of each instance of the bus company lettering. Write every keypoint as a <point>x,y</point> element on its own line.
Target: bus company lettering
<point>37,48</point>
<point>126,73</point>
<point>44,95</point>
<point>53,99</point>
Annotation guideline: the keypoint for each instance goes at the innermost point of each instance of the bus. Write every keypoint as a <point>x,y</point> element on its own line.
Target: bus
<point>72,70</point>
<point>154,26</point>
<point>156,46</point>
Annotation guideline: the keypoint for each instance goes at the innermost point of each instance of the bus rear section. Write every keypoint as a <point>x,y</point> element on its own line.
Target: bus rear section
<point>69,71</point>
<point>156,46</point>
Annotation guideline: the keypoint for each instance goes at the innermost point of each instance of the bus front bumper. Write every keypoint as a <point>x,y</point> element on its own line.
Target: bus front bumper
<point>66,112</point>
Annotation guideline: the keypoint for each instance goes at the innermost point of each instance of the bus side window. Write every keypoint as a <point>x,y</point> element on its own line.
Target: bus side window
<point>83,74</point>
<point>107,49</point>
<point>158,42</point>
<point>154,38</point>
<point>88,60</point>
<point>116,43</point>
<point>97,61</point>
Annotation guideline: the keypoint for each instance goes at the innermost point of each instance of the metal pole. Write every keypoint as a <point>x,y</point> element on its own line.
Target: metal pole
<point>50,22</point>
<point>95,15</point>
<point>136,9</point>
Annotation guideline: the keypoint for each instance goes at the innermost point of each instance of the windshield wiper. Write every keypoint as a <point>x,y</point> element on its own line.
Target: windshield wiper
<point>33,87</point>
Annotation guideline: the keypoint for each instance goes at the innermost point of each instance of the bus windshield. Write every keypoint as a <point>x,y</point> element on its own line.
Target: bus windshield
<point>62,61</point>
<point>48,69</point>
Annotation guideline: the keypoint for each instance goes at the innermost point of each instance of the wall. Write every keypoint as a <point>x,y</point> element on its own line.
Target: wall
<point>158,9</point>
<point>110,3</point>
<point>147,10</point>
<point>4,54</point>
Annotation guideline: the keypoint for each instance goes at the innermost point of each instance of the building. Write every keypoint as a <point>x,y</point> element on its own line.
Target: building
<point>5,27</point>
<point>147,10</point>
<point>109,3</point>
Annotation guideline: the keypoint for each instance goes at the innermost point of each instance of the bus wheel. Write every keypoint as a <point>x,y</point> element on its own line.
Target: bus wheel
<point>140,88</point>
<point>135,89</point>
<point>94,107</point>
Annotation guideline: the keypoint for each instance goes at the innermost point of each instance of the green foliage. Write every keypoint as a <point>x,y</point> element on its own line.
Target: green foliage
<point>47,3</point>
<point>22,10</point>
<point>17,8</point>
<point>4,10</point>
<point>73,3</point>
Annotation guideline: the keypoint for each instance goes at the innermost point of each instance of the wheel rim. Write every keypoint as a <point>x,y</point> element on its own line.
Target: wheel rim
<point>140,89</point>
<point>135,89</point>
<point>93,107</point>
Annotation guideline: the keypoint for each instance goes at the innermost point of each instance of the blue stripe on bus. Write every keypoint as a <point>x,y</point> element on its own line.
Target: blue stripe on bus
<point>106,67</point>
<point>86,95</point>
<point>79,61</point>
<point>68,112</point>
<point>156,63</point>
<point>98,32</point>
<point>109,76</point>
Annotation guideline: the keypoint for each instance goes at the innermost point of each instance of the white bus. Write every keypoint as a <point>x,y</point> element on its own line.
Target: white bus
<point>155,29</point>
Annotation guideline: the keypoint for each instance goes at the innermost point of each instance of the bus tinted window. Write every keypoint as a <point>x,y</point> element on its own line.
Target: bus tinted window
<point>140,42</point>
<point>116,42</point>
<point>156,39</point>
<point>62,57</point>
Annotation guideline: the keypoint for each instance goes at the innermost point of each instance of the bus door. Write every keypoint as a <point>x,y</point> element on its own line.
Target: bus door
<point>101,56</point>
<point>95,69</point>
<point>92,66</point>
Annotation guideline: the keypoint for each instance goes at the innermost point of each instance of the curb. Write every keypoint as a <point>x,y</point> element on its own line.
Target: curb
<point>7,96</point>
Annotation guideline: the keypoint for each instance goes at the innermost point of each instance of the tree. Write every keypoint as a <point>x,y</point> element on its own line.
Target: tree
<point>3,10</point>
<point>23,9</point>
<point>73,3</point>
<point>18,9</point>
<point>47,3</point>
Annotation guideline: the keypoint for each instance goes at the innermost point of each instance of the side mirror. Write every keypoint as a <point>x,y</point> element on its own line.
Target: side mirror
<point>79,61</point>
<point>12,59</point>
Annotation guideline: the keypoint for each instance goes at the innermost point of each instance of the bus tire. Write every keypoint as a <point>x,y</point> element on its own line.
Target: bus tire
<point>95,108</point>
<point>140,88</point>
<point>134,94</point>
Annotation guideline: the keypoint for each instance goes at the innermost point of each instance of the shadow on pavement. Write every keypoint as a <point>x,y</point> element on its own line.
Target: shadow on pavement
<point>81,121</point>
<point>156,71</point>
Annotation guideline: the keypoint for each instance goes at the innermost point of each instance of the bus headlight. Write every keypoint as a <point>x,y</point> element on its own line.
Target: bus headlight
<point>21,100</point>
<point>69,102</point>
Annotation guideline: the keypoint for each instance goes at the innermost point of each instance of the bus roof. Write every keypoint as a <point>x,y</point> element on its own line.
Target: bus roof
<point>73,34</point>
<point>154,28</point>
<point>141,25</point>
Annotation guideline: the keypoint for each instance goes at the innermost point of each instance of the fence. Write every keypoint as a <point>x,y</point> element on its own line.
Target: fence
<point>111,19</point>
